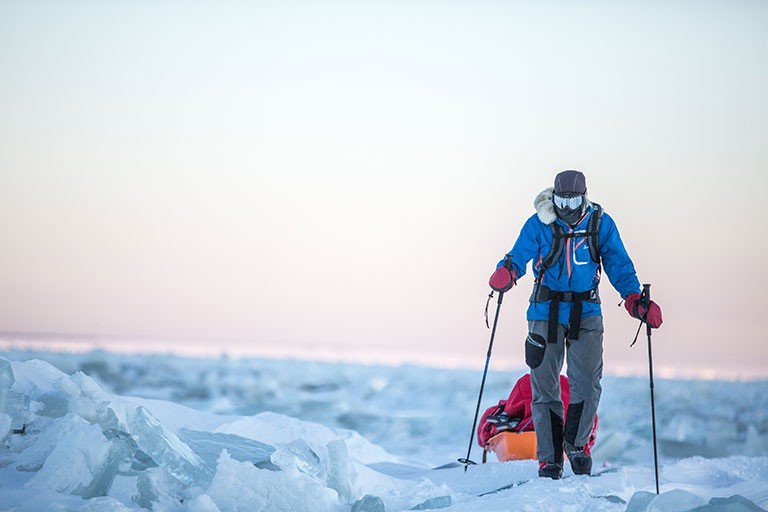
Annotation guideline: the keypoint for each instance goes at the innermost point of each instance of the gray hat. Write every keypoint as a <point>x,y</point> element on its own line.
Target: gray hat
<point>570,182</point>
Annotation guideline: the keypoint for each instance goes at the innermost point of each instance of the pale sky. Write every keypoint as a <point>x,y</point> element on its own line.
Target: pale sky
<point>344,176</point>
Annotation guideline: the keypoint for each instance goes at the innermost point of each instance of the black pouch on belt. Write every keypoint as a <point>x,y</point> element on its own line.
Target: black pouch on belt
<point>535,345</point>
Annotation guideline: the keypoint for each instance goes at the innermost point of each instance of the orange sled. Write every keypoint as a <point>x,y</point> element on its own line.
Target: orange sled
<point>512,446</point>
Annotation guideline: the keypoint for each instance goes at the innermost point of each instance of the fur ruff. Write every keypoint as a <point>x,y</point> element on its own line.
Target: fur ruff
<point>545,208</point>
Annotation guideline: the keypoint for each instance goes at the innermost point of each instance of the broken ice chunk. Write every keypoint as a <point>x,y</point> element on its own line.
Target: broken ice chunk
<point>298,454</point>
<point>733,503</point>
<point>157,489</point>
<point>6,381</point>
<point>202,503</point>
<point>166,449</point>
<point>208,445</point>
<point>339,470</point>
<point>239,486</point>
<point>434,503</point>
<point>14,405</point>
<point>121,453</point>
<point>142,461</point>
<point>676,499</point>
<point>368,503</point>
<point>17,408</point>
<point>78,456</point>
<point>5,426</point>
<point>54,404</point>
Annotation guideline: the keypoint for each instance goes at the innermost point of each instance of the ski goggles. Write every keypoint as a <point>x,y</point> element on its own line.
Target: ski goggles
<point>570,203</point>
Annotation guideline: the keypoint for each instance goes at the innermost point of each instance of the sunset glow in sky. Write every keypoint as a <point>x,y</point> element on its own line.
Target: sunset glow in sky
<point>341,177</point>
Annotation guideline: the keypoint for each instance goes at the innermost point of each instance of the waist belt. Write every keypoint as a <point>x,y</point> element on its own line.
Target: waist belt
<point>542,293</point>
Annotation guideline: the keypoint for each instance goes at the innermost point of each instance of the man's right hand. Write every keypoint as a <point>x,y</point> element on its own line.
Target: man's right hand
<point>502,280</point>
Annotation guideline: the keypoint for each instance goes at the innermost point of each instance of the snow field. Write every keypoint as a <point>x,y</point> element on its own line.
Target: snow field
<point>170,433</point>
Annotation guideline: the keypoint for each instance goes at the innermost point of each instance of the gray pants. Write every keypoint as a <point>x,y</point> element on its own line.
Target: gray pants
<point>585,369</point>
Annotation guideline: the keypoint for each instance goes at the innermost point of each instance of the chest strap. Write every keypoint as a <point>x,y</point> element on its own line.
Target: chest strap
<point>542,293</point>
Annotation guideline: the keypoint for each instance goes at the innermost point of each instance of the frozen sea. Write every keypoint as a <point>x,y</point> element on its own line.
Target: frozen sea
<point>101,431</point>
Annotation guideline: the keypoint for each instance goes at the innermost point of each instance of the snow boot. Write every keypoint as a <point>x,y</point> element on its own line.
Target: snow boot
<point>581,460</point>
<point>553,470</point>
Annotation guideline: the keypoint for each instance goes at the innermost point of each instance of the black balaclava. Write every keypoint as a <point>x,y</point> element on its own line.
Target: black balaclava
<point>571,184</point>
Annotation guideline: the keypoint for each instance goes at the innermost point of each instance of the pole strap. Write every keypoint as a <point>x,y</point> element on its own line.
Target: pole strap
<point>487,303</point>
<point>636,334</point>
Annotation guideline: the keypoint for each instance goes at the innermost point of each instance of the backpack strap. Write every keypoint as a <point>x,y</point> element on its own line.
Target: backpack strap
<point>555,253</point>
<point>593,230</point>
<point>556,250</point>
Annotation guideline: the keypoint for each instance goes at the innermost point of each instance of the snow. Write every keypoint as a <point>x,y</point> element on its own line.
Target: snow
<point>108,432</point>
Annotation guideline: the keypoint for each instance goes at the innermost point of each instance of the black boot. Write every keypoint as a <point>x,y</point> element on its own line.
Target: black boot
<point>551,470</point>
<point>581,460</point>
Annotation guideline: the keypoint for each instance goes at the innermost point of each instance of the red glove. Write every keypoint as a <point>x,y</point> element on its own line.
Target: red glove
<point>502,280</point>
<point>650,314</point>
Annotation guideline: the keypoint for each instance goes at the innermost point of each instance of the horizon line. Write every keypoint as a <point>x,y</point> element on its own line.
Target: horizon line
<point>127,345</point>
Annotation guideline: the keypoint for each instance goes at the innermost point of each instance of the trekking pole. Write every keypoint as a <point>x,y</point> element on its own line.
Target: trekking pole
<point>466,461</point>
<point>646,299</point>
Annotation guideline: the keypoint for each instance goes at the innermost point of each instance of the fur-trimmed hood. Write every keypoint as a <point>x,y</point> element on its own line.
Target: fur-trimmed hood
<point>545,209</point>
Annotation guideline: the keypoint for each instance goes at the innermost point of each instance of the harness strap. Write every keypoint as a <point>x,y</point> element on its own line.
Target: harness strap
<point>543,293</point>
<point>575,320</point>
<point>554,310</point>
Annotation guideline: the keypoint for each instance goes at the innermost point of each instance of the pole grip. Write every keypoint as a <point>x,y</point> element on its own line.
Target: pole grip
<point>646,295</point>
<point>645,298</point>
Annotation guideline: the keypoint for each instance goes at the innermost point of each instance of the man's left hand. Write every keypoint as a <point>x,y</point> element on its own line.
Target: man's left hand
<point>650,313</point>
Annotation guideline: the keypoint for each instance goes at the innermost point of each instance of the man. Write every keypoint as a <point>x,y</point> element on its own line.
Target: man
<point>570,241</point>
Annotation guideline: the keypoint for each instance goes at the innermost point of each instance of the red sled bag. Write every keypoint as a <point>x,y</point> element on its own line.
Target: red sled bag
<point>508,429</point>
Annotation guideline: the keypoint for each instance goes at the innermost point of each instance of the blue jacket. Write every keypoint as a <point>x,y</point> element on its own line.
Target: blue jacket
<point>575,272</point>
